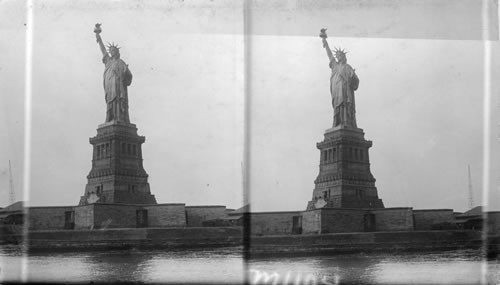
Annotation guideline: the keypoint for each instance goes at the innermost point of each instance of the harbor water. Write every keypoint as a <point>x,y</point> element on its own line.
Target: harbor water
<point>227,265</point>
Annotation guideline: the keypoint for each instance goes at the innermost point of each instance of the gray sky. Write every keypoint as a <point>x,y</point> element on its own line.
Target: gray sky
<point>420,98</point>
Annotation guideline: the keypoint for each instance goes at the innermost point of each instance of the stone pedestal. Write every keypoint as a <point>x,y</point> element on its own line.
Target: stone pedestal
<point>344,179</point>
<point>117,174</point>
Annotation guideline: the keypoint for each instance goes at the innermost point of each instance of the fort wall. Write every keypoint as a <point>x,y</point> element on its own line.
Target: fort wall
<point>196,215</point>
<point>311,221</point>
<point>428,219</point>
<point>274,223</point>
<point>342,220</point>
<point>84,217</point>
<point>47,218</point>
<point>136,237</point>
<point>493,222</point>
<point>393,219</point>
<point>114,216</point>
<point>260,245</point>
<point>166,215</point>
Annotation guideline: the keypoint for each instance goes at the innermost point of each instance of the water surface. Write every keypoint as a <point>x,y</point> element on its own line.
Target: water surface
<point>227,266</point>
<point>215,266</point>
<point>454,267</point>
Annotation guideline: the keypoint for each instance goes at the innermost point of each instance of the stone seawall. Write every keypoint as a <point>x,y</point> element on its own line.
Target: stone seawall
<point>134,238</point>
<point>213,237</point>
<point>366,242</point>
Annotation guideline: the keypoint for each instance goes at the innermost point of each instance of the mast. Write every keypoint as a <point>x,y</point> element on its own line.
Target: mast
<point>12,194</point>
<point>471,194</point>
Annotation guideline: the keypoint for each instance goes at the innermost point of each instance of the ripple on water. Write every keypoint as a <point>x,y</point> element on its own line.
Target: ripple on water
<point>227,266</point>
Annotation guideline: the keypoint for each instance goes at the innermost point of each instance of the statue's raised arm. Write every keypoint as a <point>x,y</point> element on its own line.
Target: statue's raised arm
<point>323,35</point>
<point>97,31</point>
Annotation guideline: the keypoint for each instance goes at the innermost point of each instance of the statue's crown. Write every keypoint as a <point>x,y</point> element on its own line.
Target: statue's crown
<point>113,46</point>
<point>339,51</point>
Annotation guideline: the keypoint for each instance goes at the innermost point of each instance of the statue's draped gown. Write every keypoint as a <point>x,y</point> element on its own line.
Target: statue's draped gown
<point>343,83</point>
<point>117,77</point>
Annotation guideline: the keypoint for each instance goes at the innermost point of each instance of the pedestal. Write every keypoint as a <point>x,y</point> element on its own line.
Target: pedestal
<point>344,179</point>
<point>117,174</point>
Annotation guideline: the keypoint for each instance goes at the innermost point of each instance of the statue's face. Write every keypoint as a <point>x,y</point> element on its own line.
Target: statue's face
<point>114,52</point>
<point>341,57</point>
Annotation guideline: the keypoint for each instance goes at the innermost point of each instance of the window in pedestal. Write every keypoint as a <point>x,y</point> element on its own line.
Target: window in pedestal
<point>131,187</point>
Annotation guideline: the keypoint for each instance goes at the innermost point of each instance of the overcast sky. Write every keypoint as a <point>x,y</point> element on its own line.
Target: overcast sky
<point>420,98</point>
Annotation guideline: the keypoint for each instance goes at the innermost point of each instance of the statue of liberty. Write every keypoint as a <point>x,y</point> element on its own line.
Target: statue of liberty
<point>343,83</point>
<point>117,77</point>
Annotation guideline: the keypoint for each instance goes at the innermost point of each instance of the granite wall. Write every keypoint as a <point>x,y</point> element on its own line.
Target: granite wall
<point>493,222</point>
<point>273,223</point>
<point>101,216</point>
<point>166,215</point>
<point>107,239</point>
<point>114,216</point>
<point>196,215</point>
<point>47,218</point>
<point>84,217</point>
<point>333,220</point>
<point>342,220</point>
<point>426,219</point>
<point>311,221</point>
<point>393,219</point>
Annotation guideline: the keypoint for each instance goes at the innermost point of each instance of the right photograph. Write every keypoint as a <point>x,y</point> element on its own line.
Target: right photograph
<point>373,143</point>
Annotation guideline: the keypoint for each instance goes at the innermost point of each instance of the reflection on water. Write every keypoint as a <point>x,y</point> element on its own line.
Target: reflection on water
<point>215,266</point>
<point>457,267</point>
<point>227,266</point>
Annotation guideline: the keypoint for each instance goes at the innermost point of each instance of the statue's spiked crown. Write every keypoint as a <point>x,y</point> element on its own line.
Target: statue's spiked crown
<point>339,52</point>
<point>113,46</point>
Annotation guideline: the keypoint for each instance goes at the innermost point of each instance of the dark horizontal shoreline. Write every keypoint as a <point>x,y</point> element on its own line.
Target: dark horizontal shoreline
<point>371,242</point>
<point>232,240</point>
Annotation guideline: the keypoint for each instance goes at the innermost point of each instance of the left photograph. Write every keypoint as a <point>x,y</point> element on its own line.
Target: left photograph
<point>124,126</point>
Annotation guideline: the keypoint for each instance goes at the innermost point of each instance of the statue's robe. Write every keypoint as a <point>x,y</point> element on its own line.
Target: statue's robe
<point>343,83</point>
<point>117,77</point>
